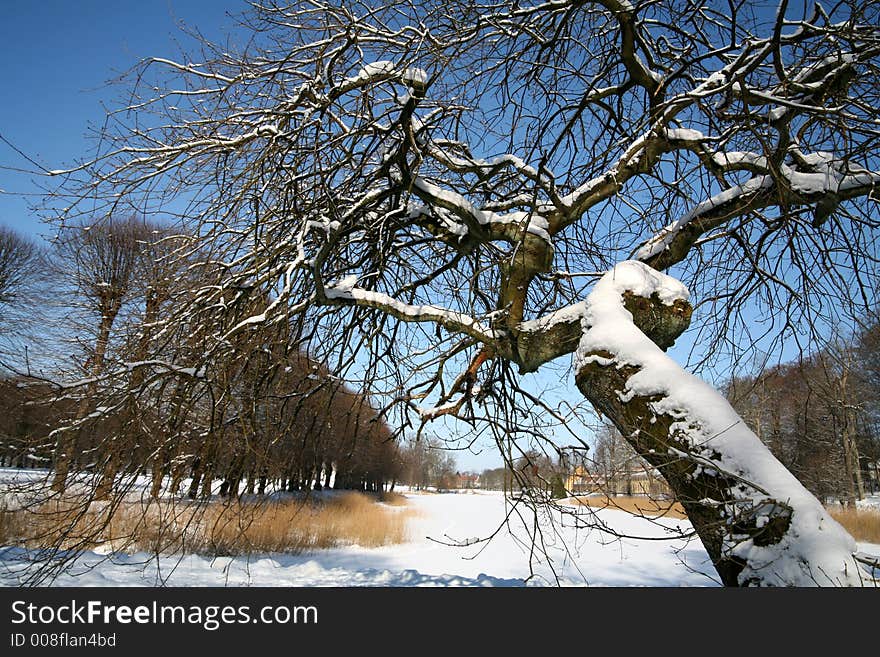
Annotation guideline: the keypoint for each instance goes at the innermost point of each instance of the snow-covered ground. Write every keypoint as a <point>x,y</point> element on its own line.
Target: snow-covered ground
<point>574,556</point>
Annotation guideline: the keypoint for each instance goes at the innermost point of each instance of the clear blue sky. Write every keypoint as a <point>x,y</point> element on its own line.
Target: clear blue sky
<point>56,58</point>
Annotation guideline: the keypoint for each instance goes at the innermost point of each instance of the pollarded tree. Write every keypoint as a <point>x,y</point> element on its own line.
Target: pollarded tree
<point>103,262</point>
<point>100,260</point>
<point>22,282</point>
<point>20,262</point>
<point>450,195</point>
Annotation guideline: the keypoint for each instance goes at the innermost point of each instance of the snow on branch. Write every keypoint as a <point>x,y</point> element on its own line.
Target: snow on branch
<point>345,292</point>
<point>735,195</point>
<point>380,71</point>
<point>826,178</point>
<point>507,226</point>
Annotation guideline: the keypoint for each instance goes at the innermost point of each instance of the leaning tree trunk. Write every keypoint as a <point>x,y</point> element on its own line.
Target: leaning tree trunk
<point>759,525</point>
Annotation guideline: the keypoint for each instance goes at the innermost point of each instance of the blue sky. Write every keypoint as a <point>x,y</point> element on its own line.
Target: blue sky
<point>56,59</point>
<point>57,63</point>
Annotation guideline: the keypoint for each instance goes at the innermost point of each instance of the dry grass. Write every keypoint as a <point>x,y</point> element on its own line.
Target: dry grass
<point>645,506</point>
<point>863,524</point>
<point>350,518</point>
<point>216,528</point>
<point>392,499</point>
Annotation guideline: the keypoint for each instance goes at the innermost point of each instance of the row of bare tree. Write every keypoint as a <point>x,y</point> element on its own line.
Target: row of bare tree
<point>273,414</point>
<point>426,463</point>
<point>820,415</point>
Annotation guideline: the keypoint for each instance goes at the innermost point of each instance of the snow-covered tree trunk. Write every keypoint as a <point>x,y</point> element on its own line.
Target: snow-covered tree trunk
<point>759,525</point>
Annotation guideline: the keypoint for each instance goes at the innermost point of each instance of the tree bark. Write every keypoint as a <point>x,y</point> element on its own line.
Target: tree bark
<point>855,487</point>
<point>759,525</point>
<point>67,439</point>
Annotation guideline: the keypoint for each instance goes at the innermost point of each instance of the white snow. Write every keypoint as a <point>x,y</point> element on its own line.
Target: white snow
<point>450,223</point>
<point>507,159</point>
<point>565,315</point>
<point>383,67</point>
<point>533,223</point>
<point>664,237</point>
<point>831,176</point>
<point>432,412</point>
<point>415,76</point>
<point>684,134</point>
<point>345,289</point>
<point>445,547</point>
<point>630,157</point>
<point>380,70</point>
<point>739,158</point>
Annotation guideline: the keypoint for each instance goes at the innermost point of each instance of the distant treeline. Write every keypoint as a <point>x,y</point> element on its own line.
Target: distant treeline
<point>820,415</point>
<point>141,397</point>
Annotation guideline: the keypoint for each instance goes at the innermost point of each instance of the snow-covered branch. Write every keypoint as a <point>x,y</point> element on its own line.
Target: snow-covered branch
<point>827,181</point>
<point>345,292</point>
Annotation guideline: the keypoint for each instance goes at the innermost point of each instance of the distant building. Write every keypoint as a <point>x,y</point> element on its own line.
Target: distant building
<point>637,480</point>
<point>580,480</point>
<point>466,480</point>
